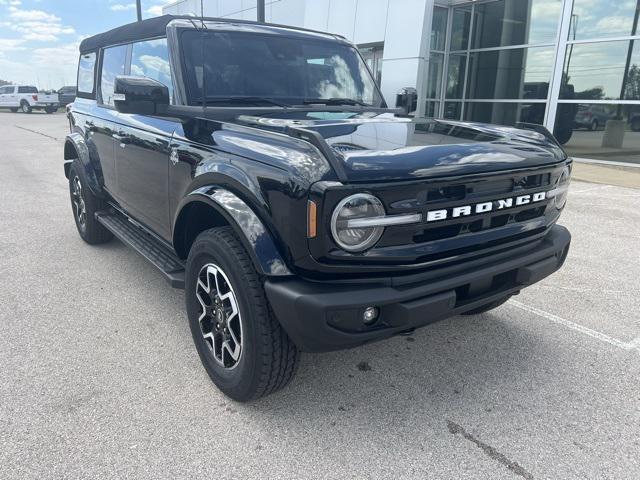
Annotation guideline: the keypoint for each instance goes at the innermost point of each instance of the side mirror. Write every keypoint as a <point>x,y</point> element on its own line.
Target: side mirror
<point>407,99</point>
<point>140,95</point>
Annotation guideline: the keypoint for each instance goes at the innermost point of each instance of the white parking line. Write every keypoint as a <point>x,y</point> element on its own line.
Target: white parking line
<point>591,189</point>
<point>632,345</point>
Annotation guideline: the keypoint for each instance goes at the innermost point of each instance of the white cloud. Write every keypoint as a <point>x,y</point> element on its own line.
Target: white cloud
<point>36,25</point>
<point>11,44</point>
<point>156,10</point>
<point>32,15</point>
<point>615,24</point>
<point>121,7</point>
<point>14,3</point>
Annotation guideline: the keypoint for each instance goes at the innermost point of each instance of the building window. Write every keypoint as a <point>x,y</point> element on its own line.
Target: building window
<point>503,113</point>
<point>510,74</point>
<point>461,23</point>
<point>602,18</point>
<point>456,75</point>
<point>602,71</point>
<point>502,50</point>
<point>439,29</point>
<point>515,22</point>
<point>372,55</point>
<point>598,110</point>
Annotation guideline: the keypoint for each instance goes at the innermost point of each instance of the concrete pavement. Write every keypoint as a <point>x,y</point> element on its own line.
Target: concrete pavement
<point>100,379</point>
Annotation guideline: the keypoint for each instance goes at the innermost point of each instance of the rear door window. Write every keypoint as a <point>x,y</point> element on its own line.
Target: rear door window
<point>86,73</point>
<point>151,59</point>
<point>114,61</point>
<point>27,90</point>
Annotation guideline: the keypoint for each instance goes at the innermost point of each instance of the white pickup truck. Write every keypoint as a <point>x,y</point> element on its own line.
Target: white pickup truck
<point>26,98</point>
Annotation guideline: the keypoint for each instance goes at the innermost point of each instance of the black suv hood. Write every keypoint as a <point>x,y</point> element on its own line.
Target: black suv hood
<point>375,146</point>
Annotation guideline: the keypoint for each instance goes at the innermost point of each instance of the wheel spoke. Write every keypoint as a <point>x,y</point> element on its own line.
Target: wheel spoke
<point>220,321</point>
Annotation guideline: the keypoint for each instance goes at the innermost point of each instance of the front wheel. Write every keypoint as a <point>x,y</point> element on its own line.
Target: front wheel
<point>85,205</point>
<point>14,109</point>
<point>50,109</point>
<point>242,346</point>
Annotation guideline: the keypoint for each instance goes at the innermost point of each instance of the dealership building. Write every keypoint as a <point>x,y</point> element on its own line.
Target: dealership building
<point>570,65</point>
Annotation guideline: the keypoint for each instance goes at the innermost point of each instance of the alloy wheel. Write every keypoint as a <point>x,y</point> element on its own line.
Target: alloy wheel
<point>219,318</point>
<point>77,199</point>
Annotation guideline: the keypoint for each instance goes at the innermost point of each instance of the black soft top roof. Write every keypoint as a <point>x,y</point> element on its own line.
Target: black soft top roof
<point>157,27</point>
<point>151,27</point>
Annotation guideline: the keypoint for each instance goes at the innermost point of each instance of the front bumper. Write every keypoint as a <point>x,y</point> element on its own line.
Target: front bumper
<point>321,316</point>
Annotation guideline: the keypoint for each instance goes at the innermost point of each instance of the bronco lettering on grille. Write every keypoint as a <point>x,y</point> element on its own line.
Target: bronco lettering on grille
<point>484,207</point>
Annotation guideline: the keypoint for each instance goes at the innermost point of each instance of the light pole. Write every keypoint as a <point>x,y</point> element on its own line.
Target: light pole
<point>260,11</point>
<point>139,9</point>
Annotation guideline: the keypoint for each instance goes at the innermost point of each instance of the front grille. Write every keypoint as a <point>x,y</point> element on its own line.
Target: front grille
<point>445,241</point>
<point>433,195</point>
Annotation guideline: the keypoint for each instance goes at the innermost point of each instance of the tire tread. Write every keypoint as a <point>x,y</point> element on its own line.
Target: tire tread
<point>279,354</point>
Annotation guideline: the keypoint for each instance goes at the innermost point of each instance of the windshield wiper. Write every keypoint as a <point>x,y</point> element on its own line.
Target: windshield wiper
<point>245,100</point>
<point>335,101</point>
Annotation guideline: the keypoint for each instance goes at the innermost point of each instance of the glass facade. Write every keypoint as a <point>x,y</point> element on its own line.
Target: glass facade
<point>570,65</point>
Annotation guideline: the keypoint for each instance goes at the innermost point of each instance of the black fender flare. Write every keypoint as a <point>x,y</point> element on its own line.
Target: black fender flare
<point>247,225</point>
<point>75,146</point>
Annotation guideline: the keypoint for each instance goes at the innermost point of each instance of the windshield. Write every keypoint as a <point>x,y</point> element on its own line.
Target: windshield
<point>263,67</point>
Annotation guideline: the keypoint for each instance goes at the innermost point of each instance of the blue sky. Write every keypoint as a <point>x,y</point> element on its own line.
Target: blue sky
<point>39,38</point>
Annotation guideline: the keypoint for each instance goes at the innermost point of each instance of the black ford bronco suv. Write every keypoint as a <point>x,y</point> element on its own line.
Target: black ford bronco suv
<point>259,168</point>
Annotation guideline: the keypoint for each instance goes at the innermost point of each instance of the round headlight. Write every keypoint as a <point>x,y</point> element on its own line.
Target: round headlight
<point>356,207</point>
<point>562,188</point>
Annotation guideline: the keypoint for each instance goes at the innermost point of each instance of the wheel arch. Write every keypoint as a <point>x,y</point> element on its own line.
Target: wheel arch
<point>75,147</point>
<point>214,206</point>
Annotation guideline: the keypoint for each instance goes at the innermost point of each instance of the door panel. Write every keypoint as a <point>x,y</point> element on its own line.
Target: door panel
<point>98,134</point>
<point>142,166</point>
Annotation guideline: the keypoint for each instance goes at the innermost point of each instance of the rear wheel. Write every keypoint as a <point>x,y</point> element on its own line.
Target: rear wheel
<point>85,204</point>
<point>487,307</point>
<point>25,107</point>
<point>594,125</point>
<point>242,346</point>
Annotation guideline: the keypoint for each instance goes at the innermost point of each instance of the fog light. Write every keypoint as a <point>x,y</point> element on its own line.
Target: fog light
<point>370,315</point>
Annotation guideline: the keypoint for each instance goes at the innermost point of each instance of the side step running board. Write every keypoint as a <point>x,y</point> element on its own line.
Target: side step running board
<point>149,247</point>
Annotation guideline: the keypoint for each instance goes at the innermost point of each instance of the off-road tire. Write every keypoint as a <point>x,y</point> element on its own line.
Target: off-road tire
<point>487,307</point>
<point>268,358</point>
<point>25,107</point>
<point>92,231</point>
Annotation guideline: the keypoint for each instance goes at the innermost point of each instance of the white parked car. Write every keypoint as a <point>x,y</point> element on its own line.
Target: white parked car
<point>26,98</point>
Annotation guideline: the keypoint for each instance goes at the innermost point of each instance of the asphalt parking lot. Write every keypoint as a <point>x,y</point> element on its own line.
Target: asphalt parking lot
<point>99,378</point>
